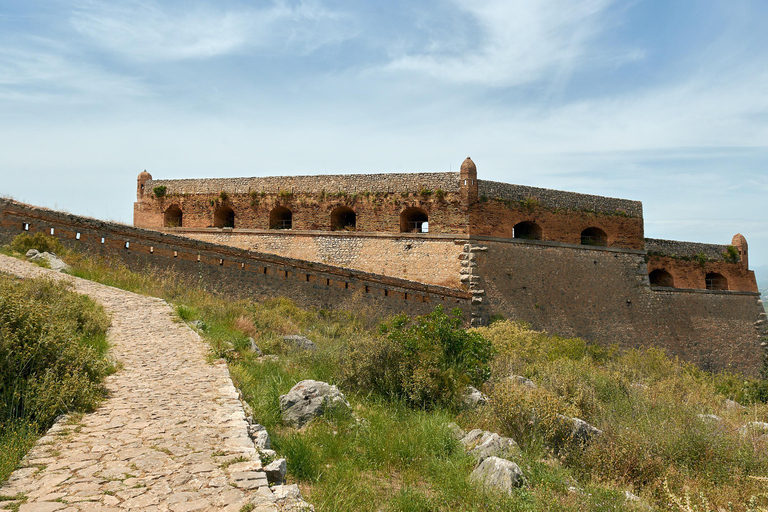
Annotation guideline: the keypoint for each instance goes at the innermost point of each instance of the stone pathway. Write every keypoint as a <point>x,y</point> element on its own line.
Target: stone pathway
<point>172,436</point>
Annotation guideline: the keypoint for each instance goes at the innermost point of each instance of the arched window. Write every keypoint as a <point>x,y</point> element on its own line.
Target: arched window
<point>224,217</point>
<point>281,218</point>
<point>343,218</point>
<point>172,217</point>
<point>661,277</point>
<point>715,281</point>
<point>527,230</point>
<point>594,236</point>
<point>414,220</point>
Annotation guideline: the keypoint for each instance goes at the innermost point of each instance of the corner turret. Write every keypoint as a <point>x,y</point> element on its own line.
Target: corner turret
<point>740,243</point>
<point>468,181</point>
<point>144,176</point>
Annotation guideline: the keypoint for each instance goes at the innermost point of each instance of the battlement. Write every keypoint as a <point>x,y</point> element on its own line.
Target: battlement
<point>678,249</point>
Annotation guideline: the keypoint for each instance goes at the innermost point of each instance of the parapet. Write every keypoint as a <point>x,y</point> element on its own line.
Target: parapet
<point>558,199</point>
<point>675,248</point>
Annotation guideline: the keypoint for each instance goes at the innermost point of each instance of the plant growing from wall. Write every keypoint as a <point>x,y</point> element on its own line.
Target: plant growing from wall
<point>529,203</point>
<point>439,194</point>
<point>160,191</point>
<point>700,258</point>
<point>425,192</point>
<point>223,196</point>
<point>731,255</point>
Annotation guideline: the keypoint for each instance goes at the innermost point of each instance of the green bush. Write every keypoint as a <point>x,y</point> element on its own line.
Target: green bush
<point>160,191</point>
<point>428,361</point>
<point>40,241</point>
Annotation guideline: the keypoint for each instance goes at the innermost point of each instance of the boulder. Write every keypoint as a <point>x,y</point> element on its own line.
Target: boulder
<point>473,397</point>
<point>275,471</point>
<point>456,431</point>
<point>731,405</point>
<point>499,474</point>
<point>482,444</point>
<point>32,252</point>
<point>300,342</point>
<point>309,399</point>
<point>53,261</point>
<point>260,436</point>
<point>714,418</point>
<point>289,499</point>
<point>581,431</point>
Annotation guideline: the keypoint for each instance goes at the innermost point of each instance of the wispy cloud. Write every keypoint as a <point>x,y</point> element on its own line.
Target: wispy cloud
<point>39,69</point>
<point>514,42</point>
<point>145,30</point>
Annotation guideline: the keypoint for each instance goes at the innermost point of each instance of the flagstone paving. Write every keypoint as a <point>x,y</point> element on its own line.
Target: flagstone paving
<point>171,436</point>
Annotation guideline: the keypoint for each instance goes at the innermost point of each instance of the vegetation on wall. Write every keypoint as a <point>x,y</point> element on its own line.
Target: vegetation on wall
<point>160,191</point>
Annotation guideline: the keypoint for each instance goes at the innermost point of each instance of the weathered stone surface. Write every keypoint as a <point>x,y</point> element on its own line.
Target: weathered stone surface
<point>300,342</point>
<point>275,471</point>
<point>309,399</point>
<point>581,431</point>
<point>483,444</point>
<point>254,347</point>
<point>161,439</point>
<point>456,431</point>
<point>498,473</point>
<point>753,428</point>
<point>54,261</point>
<point>473,397</point>
<point>522,381</point>
<point>714,418</point>
<point>260,436</point>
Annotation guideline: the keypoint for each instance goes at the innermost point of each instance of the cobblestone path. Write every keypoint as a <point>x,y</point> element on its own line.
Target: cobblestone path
<point>172,435</point>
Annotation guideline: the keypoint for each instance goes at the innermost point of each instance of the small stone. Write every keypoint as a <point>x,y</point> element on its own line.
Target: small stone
<point>482,444</point>
<point>473,397</point>
<point>710,417</point>
<point>32,252</point>
<point>300,342</point>
<point>260,436</point>
<point>254,347</point>
<point>753,427</point>
<point>455,430</point>
<point>522,381</point>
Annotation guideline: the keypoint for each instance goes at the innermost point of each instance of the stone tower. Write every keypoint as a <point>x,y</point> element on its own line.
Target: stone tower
<point>468,184</point>
<point>143,177</point>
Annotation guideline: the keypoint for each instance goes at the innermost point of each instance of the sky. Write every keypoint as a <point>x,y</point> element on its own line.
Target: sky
<point>651,100</point>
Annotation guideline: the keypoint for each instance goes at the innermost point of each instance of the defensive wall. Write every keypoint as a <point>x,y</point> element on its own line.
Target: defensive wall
<point>231,270</point>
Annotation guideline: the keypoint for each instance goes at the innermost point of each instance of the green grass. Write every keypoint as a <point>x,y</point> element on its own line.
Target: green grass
<point>389,455</point>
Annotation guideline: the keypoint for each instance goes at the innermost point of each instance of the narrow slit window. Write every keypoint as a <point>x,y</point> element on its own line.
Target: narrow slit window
<point>151,250</point>
<point>102,240</point>
<point>221,261</point>
<point>77,236</point>
<point>242,266</point>
<point>175,254</point>
<point>327,282</point>
<point>386,293</point>
<point>26,226</point>
<point>51,231</point>
<point>127,245</point>
<point>346,286</point>
<point>198,258</point>
<point>286,274</point>
<point>307,277</point>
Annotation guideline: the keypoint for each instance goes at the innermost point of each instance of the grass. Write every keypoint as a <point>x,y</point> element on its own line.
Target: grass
<point>389,455</point>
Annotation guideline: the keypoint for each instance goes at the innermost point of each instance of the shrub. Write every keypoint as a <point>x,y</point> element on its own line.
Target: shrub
<point>223,195</point>
<point>160,191</point>
<point>40,241</point>
<point>731,255</point>
<point>428,361</point>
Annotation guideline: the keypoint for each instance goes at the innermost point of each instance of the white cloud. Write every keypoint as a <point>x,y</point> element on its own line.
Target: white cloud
<point>144,30</point>
<point>517,42</point>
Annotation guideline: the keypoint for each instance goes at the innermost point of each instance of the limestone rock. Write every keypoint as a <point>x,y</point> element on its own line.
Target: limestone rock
<point>498,473</point>
<point>260,436</point>
<point>309,399</point>
<point>289,498</point>
<point>53,261</point>
<point>731,405</point>
<point>483,444</point>
<point>581,431</point>
<point>32,252</point>
<point>753,427</point>
<point>456,431</point>
<point>275,471</point>
<point>473,397</point>
<point>714,418</point>
<point>300,342</point>
<point>522,381</point>
<point>254,347</point>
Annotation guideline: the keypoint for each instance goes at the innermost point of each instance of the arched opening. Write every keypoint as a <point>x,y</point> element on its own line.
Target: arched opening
<point>527,230</point>
<point>661,277</point>
<point>172,217</point>
<point>343,218</point>
<point>224,217</point>
<point>594,236</point>
<point>715,281</point>
<point>281,218</point>
<point>414,220</point>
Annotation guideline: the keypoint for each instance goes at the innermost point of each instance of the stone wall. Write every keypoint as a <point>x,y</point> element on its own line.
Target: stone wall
<point>352,183</point>
<point>692,274</point>
<point>604,295</point>
<point>558,199</point>
<point>684,249</point>
<point>431,259</point>
<point>230,270</point>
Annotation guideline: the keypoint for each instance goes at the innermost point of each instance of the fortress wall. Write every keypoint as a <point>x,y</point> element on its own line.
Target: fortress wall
<point>419,257</point>
<point>497,218</point>
<point>352,183</point>
<point>375,213</point>
<point>691,274</point>
<point>231,270</point>
<point>604,296</point>
<point>559,199</point>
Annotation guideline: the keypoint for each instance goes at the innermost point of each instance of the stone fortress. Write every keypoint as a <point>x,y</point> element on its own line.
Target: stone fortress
<point>569,263</point>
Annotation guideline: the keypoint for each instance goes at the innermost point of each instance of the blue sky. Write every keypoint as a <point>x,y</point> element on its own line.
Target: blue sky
<point>663,102</point>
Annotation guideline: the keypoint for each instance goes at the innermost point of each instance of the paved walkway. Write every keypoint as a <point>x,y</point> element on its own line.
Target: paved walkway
<point>172,435</point>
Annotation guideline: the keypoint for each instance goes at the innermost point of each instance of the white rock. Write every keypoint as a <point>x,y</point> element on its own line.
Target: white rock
<point>473,397</point>
<point>275,471</point>
<point>483,444</point>
<point>309,399</point>
<point>498,473</point>
<point>53,261</point>
<point>753,427</point>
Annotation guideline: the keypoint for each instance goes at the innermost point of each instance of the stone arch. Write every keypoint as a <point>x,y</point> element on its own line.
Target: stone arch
<point>414,220</point>
<point>224,217</point>
<point>594,236</point>
<point>343,218</point>
<point>172,218</point>
<point>661,277</point>
<point>281,218</point>
<point>527,230</point>
<point>715,281</point>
